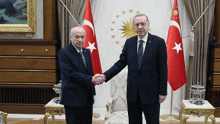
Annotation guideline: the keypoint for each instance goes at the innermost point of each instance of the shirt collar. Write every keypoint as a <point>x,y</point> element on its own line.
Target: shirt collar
<point>76,48</point>
<point>145,38</point>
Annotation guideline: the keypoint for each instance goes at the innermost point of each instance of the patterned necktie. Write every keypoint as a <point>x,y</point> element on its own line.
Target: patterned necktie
<point>140,53</point>
<point>83,58</point>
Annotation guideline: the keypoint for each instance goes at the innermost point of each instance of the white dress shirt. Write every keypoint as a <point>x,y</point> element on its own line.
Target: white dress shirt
<point>77,49</point>
<point>144,43</point>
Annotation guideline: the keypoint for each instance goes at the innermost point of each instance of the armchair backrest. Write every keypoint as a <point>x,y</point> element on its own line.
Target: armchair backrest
<point>119,91</point>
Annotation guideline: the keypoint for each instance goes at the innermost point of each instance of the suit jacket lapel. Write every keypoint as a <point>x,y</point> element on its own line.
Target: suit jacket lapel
<point>134,47</point>
<point>74,52</point>
<point>147,48</point>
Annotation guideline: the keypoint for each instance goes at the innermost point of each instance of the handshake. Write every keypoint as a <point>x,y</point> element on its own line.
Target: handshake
<point>98,79</point>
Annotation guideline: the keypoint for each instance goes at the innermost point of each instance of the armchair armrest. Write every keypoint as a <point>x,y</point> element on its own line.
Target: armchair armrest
<point>108,108</point>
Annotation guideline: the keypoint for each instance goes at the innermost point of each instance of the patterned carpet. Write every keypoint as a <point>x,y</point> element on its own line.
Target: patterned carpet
<point>62,121</point>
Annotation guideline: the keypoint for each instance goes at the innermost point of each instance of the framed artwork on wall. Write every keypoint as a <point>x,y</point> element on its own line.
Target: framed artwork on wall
<point>17,16</point>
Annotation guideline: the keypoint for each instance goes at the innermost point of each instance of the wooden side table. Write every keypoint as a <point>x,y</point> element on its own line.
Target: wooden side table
<point>188,108</point>
<point>52,108</point>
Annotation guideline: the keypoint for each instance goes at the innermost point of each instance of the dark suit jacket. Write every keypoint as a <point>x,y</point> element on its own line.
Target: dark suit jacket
<point>77,87</point>
<point>151,79</point>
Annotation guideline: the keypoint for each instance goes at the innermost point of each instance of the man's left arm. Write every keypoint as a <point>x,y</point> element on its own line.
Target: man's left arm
<point>162,54</point>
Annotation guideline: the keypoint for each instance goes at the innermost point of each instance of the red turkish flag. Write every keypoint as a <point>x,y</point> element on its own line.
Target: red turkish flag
<point>90,41</point>
<point>175,56</point>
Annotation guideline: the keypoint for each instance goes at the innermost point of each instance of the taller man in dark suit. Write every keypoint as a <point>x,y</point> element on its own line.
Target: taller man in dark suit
<point>77,79</point>
<point>146,57</point>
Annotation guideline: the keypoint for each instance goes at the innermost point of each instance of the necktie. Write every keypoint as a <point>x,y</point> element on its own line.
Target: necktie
<point>83,58</point>
<point>140,53</point>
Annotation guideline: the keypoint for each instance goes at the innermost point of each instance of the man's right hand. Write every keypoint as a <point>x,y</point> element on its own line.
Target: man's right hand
<point>98,79</point>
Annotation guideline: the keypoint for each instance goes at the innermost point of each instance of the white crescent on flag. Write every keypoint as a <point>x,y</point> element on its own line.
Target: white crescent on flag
<point>86,22</point>
<point>174,23</point>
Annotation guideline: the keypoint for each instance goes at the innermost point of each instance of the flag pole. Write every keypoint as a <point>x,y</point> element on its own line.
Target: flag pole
<point>92,39</point>
<point>170,117</point>
<point>175,59</point>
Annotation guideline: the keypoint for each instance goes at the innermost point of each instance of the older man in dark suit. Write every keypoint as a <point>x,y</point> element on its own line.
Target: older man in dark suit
<point>146,57</point>
<point>77,79</point>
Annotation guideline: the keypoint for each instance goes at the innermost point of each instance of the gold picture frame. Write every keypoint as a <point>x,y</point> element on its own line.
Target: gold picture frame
<point>30,27</point>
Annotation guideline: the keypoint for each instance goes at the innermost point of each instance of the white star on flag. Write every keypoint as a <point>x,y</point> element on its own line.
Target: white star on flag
<point>91,46</point>
<point>177,47</point>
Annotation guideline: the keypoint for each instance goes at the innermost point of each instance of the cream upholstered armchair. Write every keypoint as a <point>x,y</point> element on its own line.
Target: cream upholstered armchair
<point>117,104</point>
